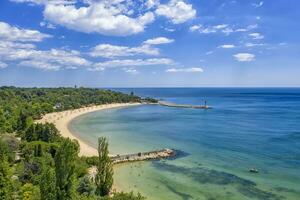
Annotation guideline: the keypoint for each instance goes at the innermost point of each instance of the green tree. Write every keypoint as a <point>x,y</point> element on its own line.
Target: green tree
<point>30,133</point>
<point>5,180</point>
<point>30,192</point>
<point>85,186</point>
<point>22,121</point>
<point>5,151</point>
<point>48,184</point>
<point>104,176</point>
<point>2,121</point>
<point>65,169</point>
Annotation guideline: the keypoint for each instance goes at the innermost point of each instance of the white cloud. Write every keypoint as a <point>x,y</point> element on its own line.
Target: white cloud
<point>211,29</point>
<point>2,65</point>
<point>15,45</point>
<point>178,11</point>
<point>256,36</point>
<point>195,28</point>
<point>39,64</point>
<point>223,28</point>
<point>158,40</point>
<point>209,52</point>
<point>152,3</point>
<point>257,5</point>
<point>54,59</point>
<point>47,25</point>
<point>193,69</point>
<point>254,44</point>
<point>11,33</point>
<point>111,17</point>
<point>131,63</point>
<point>110,51</point>
<point>248,28</point>
<point>244,57</point>
<point>100,17</point>
<point>169,29</point>
<point>130,70</point>
<point>227,46</point>
<point>43,2</point>
<point>220,28</point>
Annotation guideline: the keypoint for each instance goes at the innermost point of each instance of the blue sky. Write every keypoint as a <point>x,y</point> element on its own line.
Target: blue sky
<point>150,43</point>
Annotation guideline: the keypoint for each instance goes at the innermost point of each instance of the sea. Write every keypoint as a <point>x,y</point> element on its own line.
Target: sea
<point>247,128</point>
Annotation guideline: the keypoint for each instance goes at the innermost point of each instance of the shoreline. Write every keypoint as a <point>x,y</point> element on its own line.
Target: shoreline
<point>62,119</point>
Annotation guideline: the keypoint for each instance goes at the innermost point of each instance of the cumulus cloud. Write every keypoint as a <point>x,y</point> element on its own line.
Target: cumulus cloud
<point>244,57</point>
<point>111,17</point>
<point>152,3</point>
<point>100,17</point>
<point>178,11</point>
<point>15,45</point>
<point>12,33</point>
<point>256,36</point>
<point>110,51</point>
<point>2,65</point>
<point>131,63</point>
<point>227,46</point>
<point>193,69</point>
<point>27,55</point>
<point>158,40</point>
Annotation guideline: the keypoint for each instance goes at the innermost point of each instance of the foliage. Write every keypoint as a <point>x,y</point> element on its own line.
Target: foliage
<point>41,132</point>
<point>30,192</point>
<point>19,106</point>
<point>65,169</point>
<point>48,184</point>
<point>104,176</point>
<point>90,161</point>
<point>86,186</point>
<point>31,149</point>
<point>6,151</point>
<point>48,165</point>
<point>150,100</point>
<point>5,179</point>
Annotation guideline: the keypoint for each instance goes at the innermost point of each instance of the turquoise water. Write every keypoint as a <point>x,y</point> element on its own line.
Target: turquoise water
<point>246,128</point>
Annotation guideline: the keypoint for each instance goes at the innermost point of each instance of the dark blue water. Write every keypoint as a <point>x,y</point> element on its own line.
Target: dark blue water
<point>254,127</point>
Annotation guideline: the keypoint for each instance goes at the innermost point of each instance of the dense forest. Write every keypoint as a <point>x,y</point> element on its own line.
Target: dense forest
<point>36,163</point>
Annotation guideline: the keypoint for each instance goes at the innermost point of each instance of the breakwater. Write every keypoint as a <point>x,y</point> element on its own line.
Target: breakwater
<point>168,104</point>
<point>151,155</point>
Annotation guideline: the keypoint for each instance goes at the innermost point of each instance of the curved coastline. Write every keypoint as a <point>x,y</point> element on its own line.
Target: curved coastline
<point>62,119</point>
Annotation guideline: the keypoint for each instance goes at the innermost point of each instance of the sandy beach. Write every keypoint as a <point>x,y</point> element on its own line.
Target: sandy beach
<point>62,119</point>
